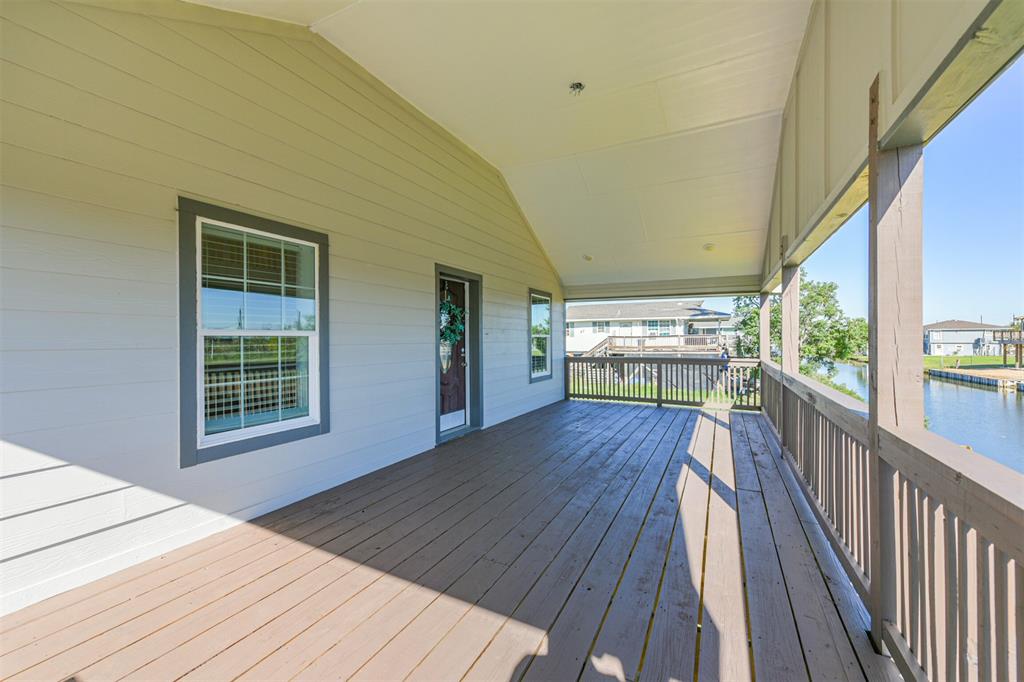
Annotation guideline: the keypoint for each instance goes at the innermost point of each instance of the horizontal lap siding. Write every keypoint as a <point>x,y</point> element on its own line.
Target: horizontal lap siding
<point>108,116</point>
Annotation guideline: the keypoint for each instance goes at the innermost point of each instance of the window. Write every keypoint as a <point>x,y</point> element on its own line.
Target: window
<point>659,327</point>
<point>599,327</point>
<point>540,335</point>
<point>253,323</point>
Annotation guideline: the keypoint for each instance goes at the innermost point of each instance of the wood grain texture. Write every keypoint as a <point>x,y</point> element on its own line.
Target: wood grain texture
<point>583,539</point>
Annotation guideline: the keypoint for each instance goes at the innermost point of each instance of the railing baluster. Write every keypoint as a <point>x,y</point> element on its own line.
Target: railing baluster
<point>984,597</point>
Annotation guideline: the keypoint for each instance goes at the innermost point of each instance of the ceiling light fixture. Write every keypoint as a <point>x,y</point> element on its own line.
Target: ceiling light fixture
<point>710,246</point>
<point>587,257</point>
<point>576,88</point>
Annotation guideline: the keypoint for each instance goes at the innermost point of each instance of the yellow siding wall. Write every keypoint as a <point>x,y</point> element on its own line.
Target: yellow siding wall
<point>109,113</point>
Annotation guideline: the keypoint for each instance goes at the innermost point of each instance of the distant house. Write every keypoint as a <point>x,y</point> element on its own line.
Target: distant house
<point>960,337</point>
<point>587,324</point>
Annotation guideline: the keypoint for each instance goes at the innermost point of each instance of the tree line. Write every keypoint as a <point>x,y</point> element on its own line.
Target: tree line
<point>826,333</point>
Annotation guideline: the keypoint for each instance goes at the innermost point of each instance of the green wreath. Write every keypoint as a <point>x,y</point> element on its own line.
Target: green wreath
<point>452,322</point>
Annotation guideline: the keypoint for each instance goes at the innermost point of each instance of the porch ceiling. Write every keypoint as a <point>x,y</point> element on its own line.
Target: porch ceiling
<point>672,144</point>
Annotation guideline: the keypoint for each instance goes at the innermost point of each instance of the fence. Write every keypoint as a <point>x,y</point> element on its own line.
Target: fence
<point>665,381</point>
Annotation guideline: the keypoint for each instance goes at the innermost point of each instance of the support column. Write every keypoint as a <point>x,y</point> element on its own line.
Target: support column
<point>790,345</point>
<point>791,320</point>
<point>764,328</point>
<point>895,320</point>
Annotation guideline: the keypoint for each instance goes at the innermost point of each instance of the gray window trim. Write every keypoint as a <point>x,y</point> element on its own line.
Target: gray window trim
<point>529,335</point>
<point>189,452</point>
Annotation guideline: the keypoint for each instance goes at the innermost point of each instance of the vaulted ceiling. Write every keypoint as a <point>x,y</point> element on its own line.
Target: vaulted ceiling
<point>671,146</point>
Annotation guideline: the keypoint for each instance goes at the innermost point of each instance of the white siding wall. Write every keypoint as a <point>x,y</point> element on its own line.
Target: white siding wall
<point>108,115</point>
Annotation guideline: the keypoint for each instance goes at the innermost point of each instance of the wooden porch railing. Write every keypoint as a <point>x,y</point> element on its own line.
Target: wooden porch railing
<point>956,522</point>
<point>682,343</point>
<point>665,381</point>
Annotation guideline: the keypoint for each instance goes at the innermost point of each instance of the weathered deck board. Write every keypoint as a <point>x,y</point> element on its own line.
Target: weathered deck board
<point>584,539</point>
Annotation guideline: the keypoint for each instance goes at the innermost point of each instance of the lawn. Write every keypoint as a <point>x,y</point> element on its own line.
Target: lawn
<point>966,361</point>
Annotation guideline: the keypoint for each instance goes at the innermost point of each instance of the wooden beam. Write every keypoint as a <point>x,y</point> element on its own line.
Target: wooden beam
<point>700,286</point>
<point>764,327</point>
<point>791,320</point>
<point>895,320</point>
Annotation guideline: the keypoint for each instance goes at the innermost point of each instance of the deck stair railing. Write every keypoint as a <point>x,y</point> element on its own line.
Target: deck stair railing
<point>953,530</point>
<point>665,380</point>
<point>682,343</point>
<point>600,350</point>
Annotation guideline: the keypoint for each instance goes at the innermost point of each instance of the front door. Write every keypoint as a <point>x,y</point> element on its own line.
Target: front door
<point>453,358</point>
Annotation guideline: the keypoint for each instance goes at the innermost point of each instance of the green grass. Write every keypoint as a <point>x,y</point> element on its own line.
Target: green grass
<point>966,361</point>
<point>945,361</point>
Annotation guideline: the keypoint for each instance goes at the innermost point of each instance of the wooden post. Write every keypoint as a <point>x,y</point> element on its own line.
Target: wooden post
<point>791,320</point>
<point>764,328</point>
<point>790,341</point>
<point>566,376</point>
<point>661,371</point>
<point>895,320</point>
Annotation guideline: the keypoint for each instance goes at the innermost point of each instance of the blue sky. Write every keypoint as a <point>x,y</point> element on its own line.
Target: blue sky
<point>973,218</point>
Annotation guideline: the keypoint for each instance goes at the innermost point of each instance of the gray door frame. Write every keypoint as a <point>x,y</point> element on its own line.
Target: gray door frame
<point>474,347</point>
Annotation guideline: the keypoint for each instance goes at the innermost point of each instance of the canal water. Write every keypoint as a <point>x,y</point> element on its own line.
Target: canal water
<point>987,419</point>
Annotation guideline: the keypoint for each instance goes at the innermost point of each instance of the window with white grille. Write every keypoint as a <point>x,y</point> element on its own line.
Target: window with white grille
<point>256,327</point>
<point>257,332</point>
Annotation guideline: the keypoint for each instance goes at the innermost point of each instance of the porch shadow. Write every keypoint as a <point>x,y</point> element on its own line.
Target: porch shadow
<point>571,541</point>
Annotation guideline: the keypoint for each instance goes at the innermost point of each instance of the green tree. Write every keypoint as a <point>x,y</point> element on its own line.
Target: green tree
<point>746,310</point>
<point>856,338</point>
<point>826,334</point>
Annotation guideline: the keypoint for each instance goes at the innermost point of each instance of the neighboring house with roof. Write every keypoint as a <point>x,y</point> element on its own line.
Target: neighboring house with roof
<point>961,337</point>
<point>588,324</point>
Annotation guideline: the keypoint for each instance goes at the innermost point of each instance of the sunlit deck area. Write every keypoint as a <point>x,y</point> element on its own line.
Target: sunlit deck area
<point>583,540</point>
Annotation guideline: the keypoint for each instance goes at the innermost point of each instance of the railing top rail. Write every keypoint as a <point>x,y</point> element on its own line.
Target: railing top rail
<point>848,413</point>
<point>648,359</point>
<point>986,494</point>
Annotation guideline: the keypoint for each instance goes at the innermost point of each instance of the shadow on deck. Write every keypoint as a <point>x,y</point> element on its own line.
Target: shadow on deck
<point>583,540</point>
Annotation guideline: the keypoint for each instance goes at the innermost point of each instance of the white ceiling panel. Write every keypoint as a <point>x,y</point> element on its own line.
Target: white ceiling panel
<point>671,145</point>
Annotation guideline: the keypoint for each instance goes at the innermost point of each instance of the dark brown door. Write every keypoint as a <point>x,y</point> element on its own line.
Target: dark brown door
<point>453,379</point>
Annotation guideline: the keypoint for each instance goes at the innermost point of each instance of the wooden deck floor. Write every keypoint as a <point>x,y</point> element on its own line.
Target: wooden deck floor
<point>584,540</point>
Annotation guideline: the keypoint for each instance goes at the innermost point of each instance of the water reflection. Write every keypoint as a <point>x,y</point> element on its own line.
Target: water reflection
<point>987,419</point>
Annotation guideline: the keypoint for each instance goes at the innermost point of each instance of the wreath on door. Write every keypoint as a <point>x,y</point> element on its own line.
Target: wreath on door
<point>453,324</point>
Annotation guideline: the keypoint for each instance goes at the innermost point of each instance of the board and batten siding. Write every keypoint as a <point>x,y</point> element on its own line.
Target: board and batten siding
<point>110,112</point>
<point>931,59</point>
